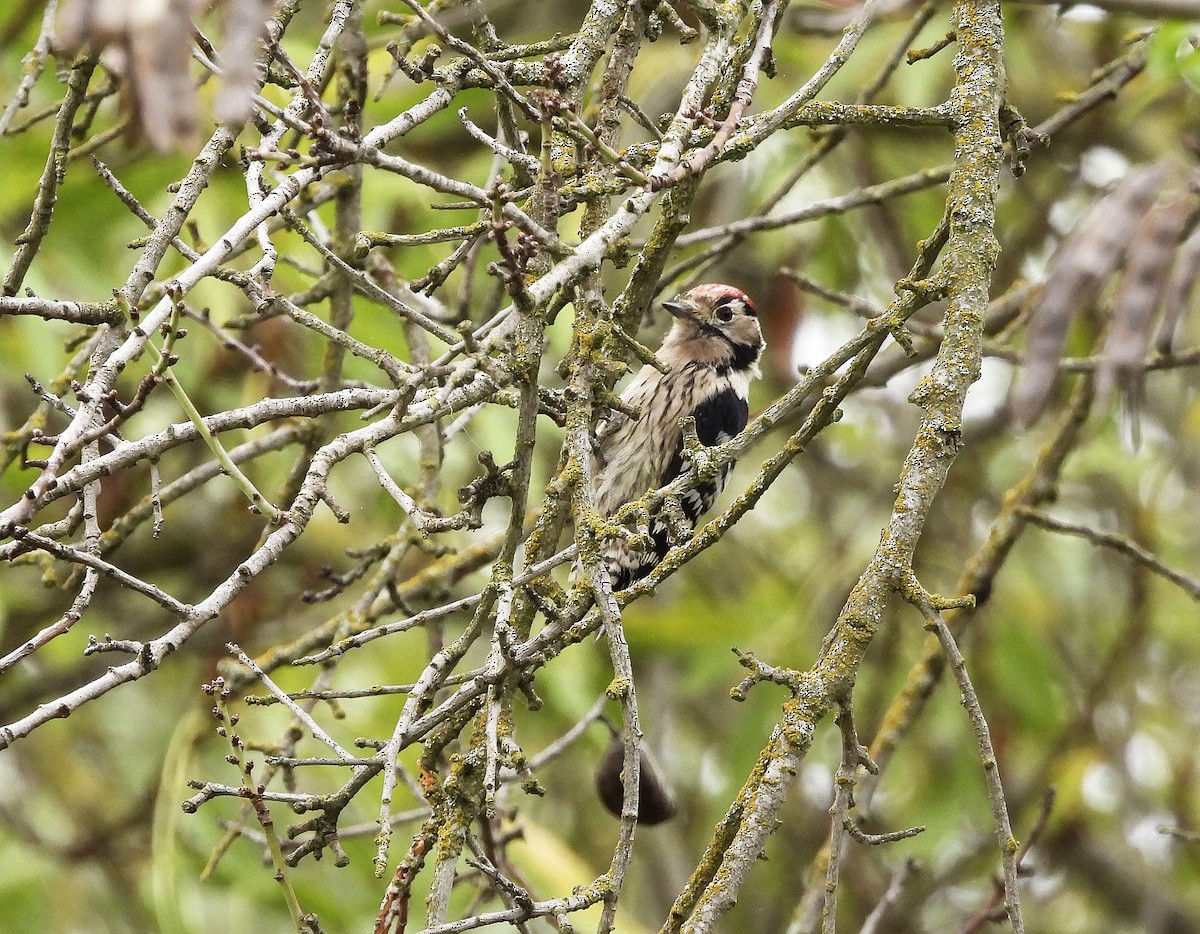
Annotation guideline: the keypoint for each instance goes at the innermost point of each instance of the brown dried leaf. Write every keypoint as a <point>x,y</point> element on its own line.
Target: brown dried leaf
<point>159,77</point>
<point>1179,289</point>
<point>100,23</point>
<point>149,45</point>
<point>1139,294</point>
<point>244,30</point>
<point>1084,262</point>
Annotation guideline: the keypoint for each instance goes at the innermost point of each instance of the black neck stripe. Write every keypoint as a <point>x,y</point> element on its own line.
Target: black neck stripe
<point>744,355</point>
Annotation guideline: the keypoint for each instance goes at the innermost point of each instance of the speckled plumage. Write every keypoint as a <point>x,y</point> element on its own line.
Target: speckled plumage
<point>711,353</point>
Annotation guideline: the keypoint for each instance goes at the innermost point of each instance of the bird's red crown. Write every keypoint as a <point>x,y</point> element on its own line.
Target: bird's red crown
<point>715,291</point>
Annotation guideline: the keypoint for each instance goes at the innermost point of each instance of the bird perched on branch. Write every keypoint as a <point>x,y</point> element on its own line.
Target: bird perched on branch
<point>710,355</point>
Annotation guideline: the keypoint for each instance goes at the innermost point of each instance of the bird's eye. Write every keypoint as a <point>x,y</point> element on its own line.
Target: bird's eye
<point>724,313</point>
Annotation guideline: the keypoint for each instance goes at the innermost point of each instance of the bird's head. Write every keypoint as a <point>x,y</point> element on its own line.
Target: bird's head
<point>715,324</point>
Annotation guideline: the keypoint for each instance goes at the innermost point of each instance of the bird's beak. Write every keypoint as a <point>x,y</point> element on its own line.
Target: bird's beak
<point>683,310</point>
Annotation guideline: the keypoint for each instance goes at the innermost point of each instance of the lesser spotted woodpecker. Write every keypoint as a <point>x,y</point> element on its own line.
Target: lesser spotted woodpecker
<point>711,354</point>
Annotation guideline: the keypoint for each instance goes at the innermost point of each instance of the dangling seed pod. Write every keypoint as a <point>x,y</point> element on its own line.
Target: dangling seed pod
<point>656,802</point>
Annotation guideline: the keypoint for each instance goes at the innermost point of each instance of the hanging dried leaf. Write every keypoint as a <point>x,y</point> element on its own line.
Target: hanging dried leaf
<point>245,28</point>
<point>1083,264</point>
<point>102,23</point>
<point>1179,290</point>
<point>148,43</point>
<point>159,80</point>
<point>1139,294</point>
